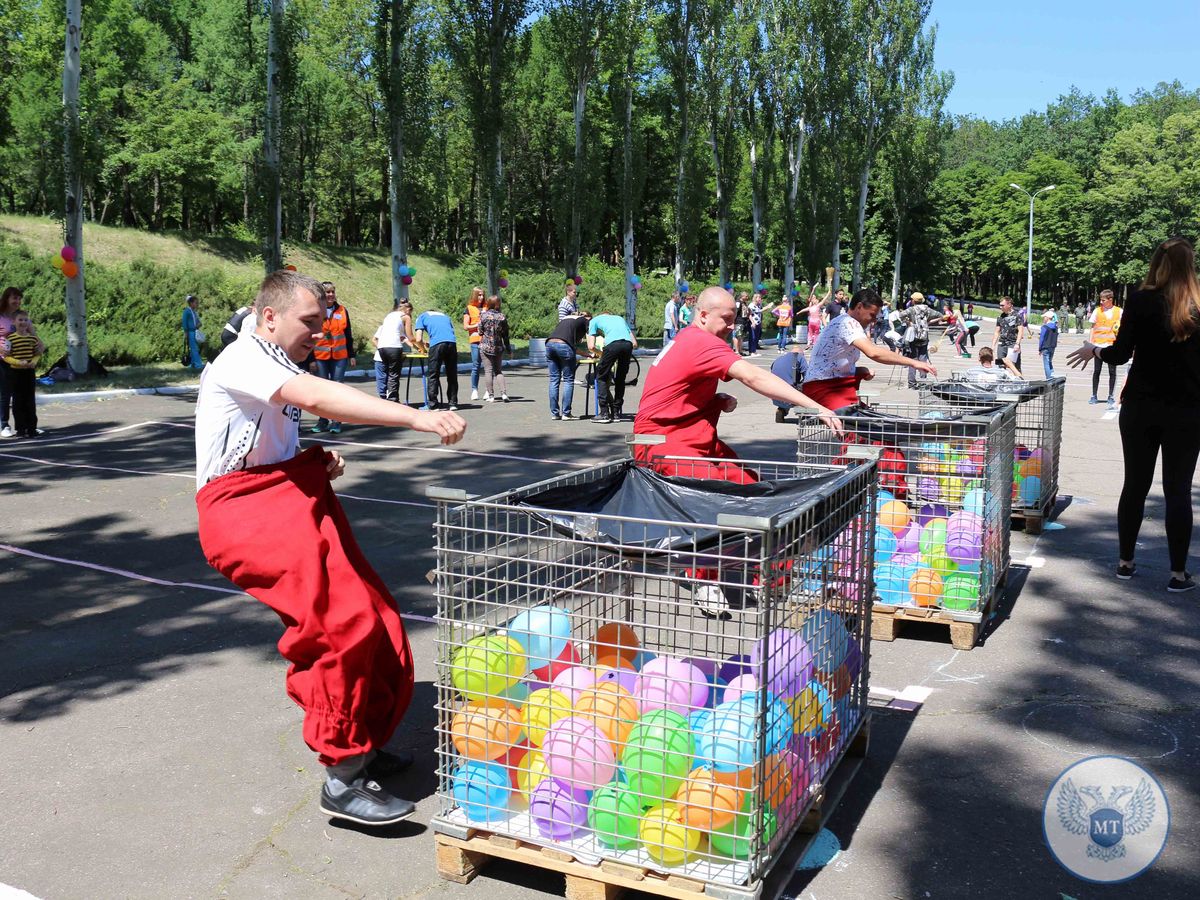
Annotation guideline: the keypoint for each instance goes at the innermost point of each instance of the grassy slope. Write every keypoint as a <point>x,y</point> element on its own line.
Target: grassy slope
<point>363,276</point>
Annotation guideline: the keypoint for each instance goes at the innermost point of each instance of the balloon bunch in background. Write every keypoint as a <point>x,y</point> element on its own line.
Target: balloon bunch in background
<point>66,261</point>
<point>503,282</point>
<point>406,273</point>
<point>635,282</point>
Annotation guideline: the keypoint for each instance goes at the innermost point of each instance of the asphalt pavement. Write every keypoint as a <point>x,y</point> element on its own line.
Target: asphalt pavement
<point>148,750</point>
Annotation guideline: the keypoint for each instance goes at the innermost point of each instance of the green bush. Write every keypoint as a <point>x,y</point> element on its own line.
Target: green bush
<point>134,309</point>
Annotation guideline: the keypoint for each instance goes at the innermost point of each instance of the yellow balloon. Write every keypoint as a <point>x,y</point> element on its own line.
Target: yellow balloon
<point>57,261</point>
<point>543,709</point>
<point>666,838</point>
<point>531,771</point>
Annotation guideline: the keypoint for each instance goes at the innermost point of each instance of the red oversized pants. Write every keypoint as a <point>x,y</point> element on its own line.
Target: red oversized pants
<point>279,533</point>
<point>695,438</point>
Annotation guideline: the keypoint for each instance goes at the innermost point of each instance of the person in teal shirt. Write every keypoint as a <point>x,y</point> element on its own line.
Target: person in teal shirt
<point>687,311</point>
<point>619,344</point>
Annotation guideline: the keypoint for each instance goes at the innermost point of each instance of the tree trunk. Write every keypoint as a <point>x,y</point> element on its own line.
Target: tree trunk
<point>272,250</point>
<point>399,234</point>
<point>856,278</point>
<point>722,212</point>
<point>495,183</point>
<point>156,219</point>
<point>795,148</point>
<point>76,296</point>
<point>627,198</point>
<point>837,251</point>
<point>581,86</point>
<point>896,271</point>
<point>756,214</point>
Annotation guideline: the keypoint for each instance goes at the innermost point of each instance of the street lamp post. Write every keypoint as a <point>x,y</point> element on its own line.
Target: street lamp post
<point>1029,270</point>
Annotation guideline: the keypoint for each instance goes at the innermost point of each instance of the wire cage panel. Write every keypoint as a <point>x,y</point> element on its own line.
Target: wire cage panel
<point>944,503</point>
<point>1038,436</point>
<point>666,692</point>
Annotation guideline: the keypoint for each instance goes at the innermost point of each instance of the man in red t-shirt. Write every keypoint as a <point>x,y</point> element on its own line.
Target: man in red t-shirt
<point>681,402</point>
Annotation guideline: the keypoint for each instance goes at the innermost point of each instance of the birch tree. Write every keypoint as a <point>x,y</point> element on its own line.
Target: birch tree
<point>76,296</point>
<point>272,127</point>
<point>675,35</point>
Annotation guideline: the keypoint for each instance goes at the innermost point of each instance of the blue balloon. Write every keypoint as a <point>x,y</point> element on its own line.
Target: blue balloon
<point>729,741</point>
<point>482,790</point>
<point>1031,490</point>
<point>883,497</point>
<point>683,285</point>
<point>885,544</point>
<point>542,633</point>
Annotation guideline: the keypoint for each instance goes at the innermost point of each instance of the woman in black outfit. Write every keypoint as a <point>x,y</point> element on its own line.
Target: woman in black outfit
<point>1160,406</point>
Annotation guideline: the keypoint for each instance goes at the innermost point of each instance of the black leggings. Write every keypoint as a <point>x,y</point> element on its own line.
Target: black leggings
<point>5,392</point>
<point>1146,427</point>
<point>1112,379</point>
<point>612,370</point>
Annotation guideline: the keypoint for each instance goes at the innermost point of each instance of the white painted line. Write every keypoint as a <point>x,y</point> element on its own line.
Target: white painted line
<point>1033,562</point>
<point>69,438</point>
<point>150,579</point>
<point>1111,414</point>
<point>914,693</point>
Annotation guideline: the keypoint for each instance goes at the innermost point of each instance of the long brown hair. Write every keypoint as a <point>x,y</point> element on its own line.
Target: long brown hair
<point>1173,273</point>
<point>7,297</point>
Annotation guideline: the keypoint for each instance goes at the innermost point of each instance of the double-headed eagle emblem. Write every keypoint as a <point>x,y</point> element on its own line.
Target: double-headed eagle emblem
<point>1106,822</point>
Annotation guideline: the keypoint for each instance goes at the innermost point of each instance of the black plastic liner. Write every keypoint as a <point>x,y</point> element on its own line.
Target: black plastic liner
<point>873,425</point>
<point>967,392</point>
<point>634,491</point>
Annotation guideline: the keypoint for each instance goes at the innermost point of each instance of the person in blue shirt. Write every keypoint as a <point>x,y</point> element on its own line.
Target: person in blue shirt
<point>1048,342</point>
<point>619,344</point>
<point>443,353</point>
<point>792,368</point>
<point>191,325</point>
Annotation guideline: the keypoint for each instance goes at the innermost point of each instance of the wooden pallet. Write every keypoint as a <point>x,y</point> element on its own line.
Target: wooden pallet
<point>461,860</point>
<point>1033,519</point>
<point>964,635</point>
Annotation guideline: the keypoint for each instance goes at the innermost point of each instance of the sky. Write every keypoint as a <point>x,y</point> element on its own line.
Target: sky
<point>1013,56</point>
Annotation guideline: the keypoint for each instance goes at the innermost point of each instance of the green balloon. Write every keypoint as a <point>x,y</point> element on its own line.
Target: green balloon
<point>940,563</point>
<point>657,756</point>
<point>737,838</point>
<point>933,538</point>
<point>961,591</point>
<point>614,815</point>
<point>412,270</point>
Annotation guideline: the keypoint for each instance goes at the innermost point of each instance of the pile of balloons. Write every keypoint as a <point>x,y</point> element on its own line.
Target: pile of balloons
<point>575,280</point>
<point>1027,474</point>
<point>929,556</point>
<point>503,281</point>
<point>406,273</point>
<point>65,261</point>
<point>635,282</point>
<point>643,751</point>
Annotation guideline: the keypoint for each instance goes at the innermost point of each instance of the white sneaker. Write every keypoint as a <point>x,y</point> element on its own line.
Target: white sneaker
<point>504,397</point>
<point>7,432</point>
<point>488,398</point>
<point>474,395</point>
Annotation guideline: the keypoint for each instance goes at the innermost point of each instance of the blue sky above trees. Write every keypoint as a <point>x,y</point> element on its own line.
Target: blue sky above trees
<point>1014,56</point>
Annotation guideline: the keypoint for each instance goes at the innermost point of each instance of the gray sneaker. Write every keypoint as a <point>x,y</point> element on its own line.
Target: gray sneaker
<point>366,802</point>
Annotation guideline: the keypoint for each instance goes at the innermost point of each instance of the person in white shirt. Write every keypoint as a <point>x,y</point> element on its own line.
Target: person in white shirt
<point>833,371</point>
<point>987,372</point>
<point>270,522</point>
<point>392,340</point>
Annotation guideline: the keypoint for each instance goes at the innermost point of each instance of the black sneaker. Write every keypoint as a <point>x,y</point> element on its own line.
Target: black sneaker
<point>386,764</point>
<point>1125,572</point>
<point>780,415</point>
<point>366,802</point>
<point>1180,585</point>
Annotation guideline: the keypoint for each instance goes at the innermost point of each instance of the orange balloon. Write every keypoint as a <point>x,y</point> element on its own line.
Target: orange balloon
<point>705,803</point>
<point>1031,468</point>
<point>615,638</point>
<point>610,708</point>
<point>926,587</point>
<point>70,269</point>
<point>486,730</point>
<point>612,661</point>
<point>741,779</point>
<point>836,682</point>
<point>290,268</point>
<point>779,780</point>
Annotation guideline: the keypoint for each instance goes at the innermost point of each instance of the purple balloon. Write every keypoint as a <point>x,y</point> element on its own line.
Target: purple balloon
<point>908,541</point>
<point>707,666</point>
<point>932,511</point>
<point>904,559</point>
<point>624,677</point>
<point>787,664</point>
<point>854,658</point>
<point>733,667</point>
<point>966,468</point>
<point>559,812</point>
<point>669,683</point>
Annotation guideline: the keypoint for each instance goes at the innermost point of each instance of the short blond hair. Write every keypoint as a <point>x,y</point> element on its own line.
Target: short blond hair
<point>280,290</point>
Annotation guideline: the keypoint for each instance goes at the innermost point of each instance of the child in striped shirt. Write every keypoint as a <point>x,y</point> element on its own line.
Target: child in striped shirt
<point>23,359</point>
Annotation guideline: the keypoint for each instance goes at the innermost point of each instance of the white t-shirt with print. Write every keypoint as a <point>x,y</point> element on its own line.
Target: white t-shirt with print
<point>834,355</point>
<point>237,425</point>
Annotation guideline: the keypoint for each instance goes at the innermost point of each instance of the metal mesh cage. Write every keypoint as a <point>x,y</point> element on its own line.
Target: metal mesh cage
<point>669,693</point>
<point>1038,437</point>
<point>945,478</point>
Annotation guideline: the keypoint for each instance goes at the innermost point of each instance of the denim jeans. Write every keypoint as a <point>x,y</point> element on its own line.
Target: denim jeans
<point>1048,363</point>
<point>194,351</point>
<point>381,378</point>
<point>755,338</point>
<point>785,333</point>
<point>562,362</point>
<point>476,366</point>
<point>332,370</point>
<point>668,335</point>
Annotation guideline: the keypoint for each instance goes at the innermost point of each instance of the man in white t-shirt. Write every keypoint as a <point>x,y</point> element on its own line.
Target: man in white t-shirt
<point>833,370</point>
<point>270,522</point>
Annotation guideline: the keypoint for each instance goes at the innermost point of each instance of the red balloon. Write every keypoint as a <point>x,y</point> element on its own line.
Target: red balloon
<point>406,279</point>
<point>67,253</point>
<point>290,268</point>
<point>70,269</point>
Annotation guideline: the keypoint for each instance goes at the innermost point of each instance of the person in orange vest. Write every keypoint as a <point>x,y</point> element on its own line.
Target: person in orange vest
<point>333,351</point>
<point>1106,322</point>
<point>783,320</point>
<point>471,325</point>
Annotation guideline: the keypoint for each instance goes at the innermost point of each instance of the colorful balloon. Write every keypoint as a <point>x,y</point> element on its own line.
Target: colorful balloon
<point>543,708</point>
<point>705,803</point>
<point>666,838</point>
<point>67,253</point>
<point>70,269</point>
<point>482,791</point>
<point>543,632</point>
<point>611,708</point>
<point>559,811</point>
<point>486,730</point>
<point>487,665</point>
<point>739,837</point>
<point>578,753</point>
<point>614,815</point>
<point>669,683</point>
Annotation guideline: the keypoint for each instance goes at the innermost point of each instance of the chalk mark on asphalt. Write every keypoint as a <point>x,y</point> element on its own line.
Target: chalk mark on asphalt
<point>1108,711</point>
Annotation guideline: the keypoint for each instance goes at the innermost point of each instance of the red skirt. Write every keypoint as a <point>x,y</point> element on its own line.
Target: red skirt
<point>279,533</point>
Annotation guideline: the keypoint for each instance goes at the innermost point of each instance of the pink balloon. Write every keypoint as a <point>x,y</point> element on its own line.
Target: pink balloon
<point>578,754</point>
<point>67,253</point>
<point>406,279</point>
<point>668,683</point>
<point>578,280</point>
<point>743,684</point>
<point>573,681</point>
